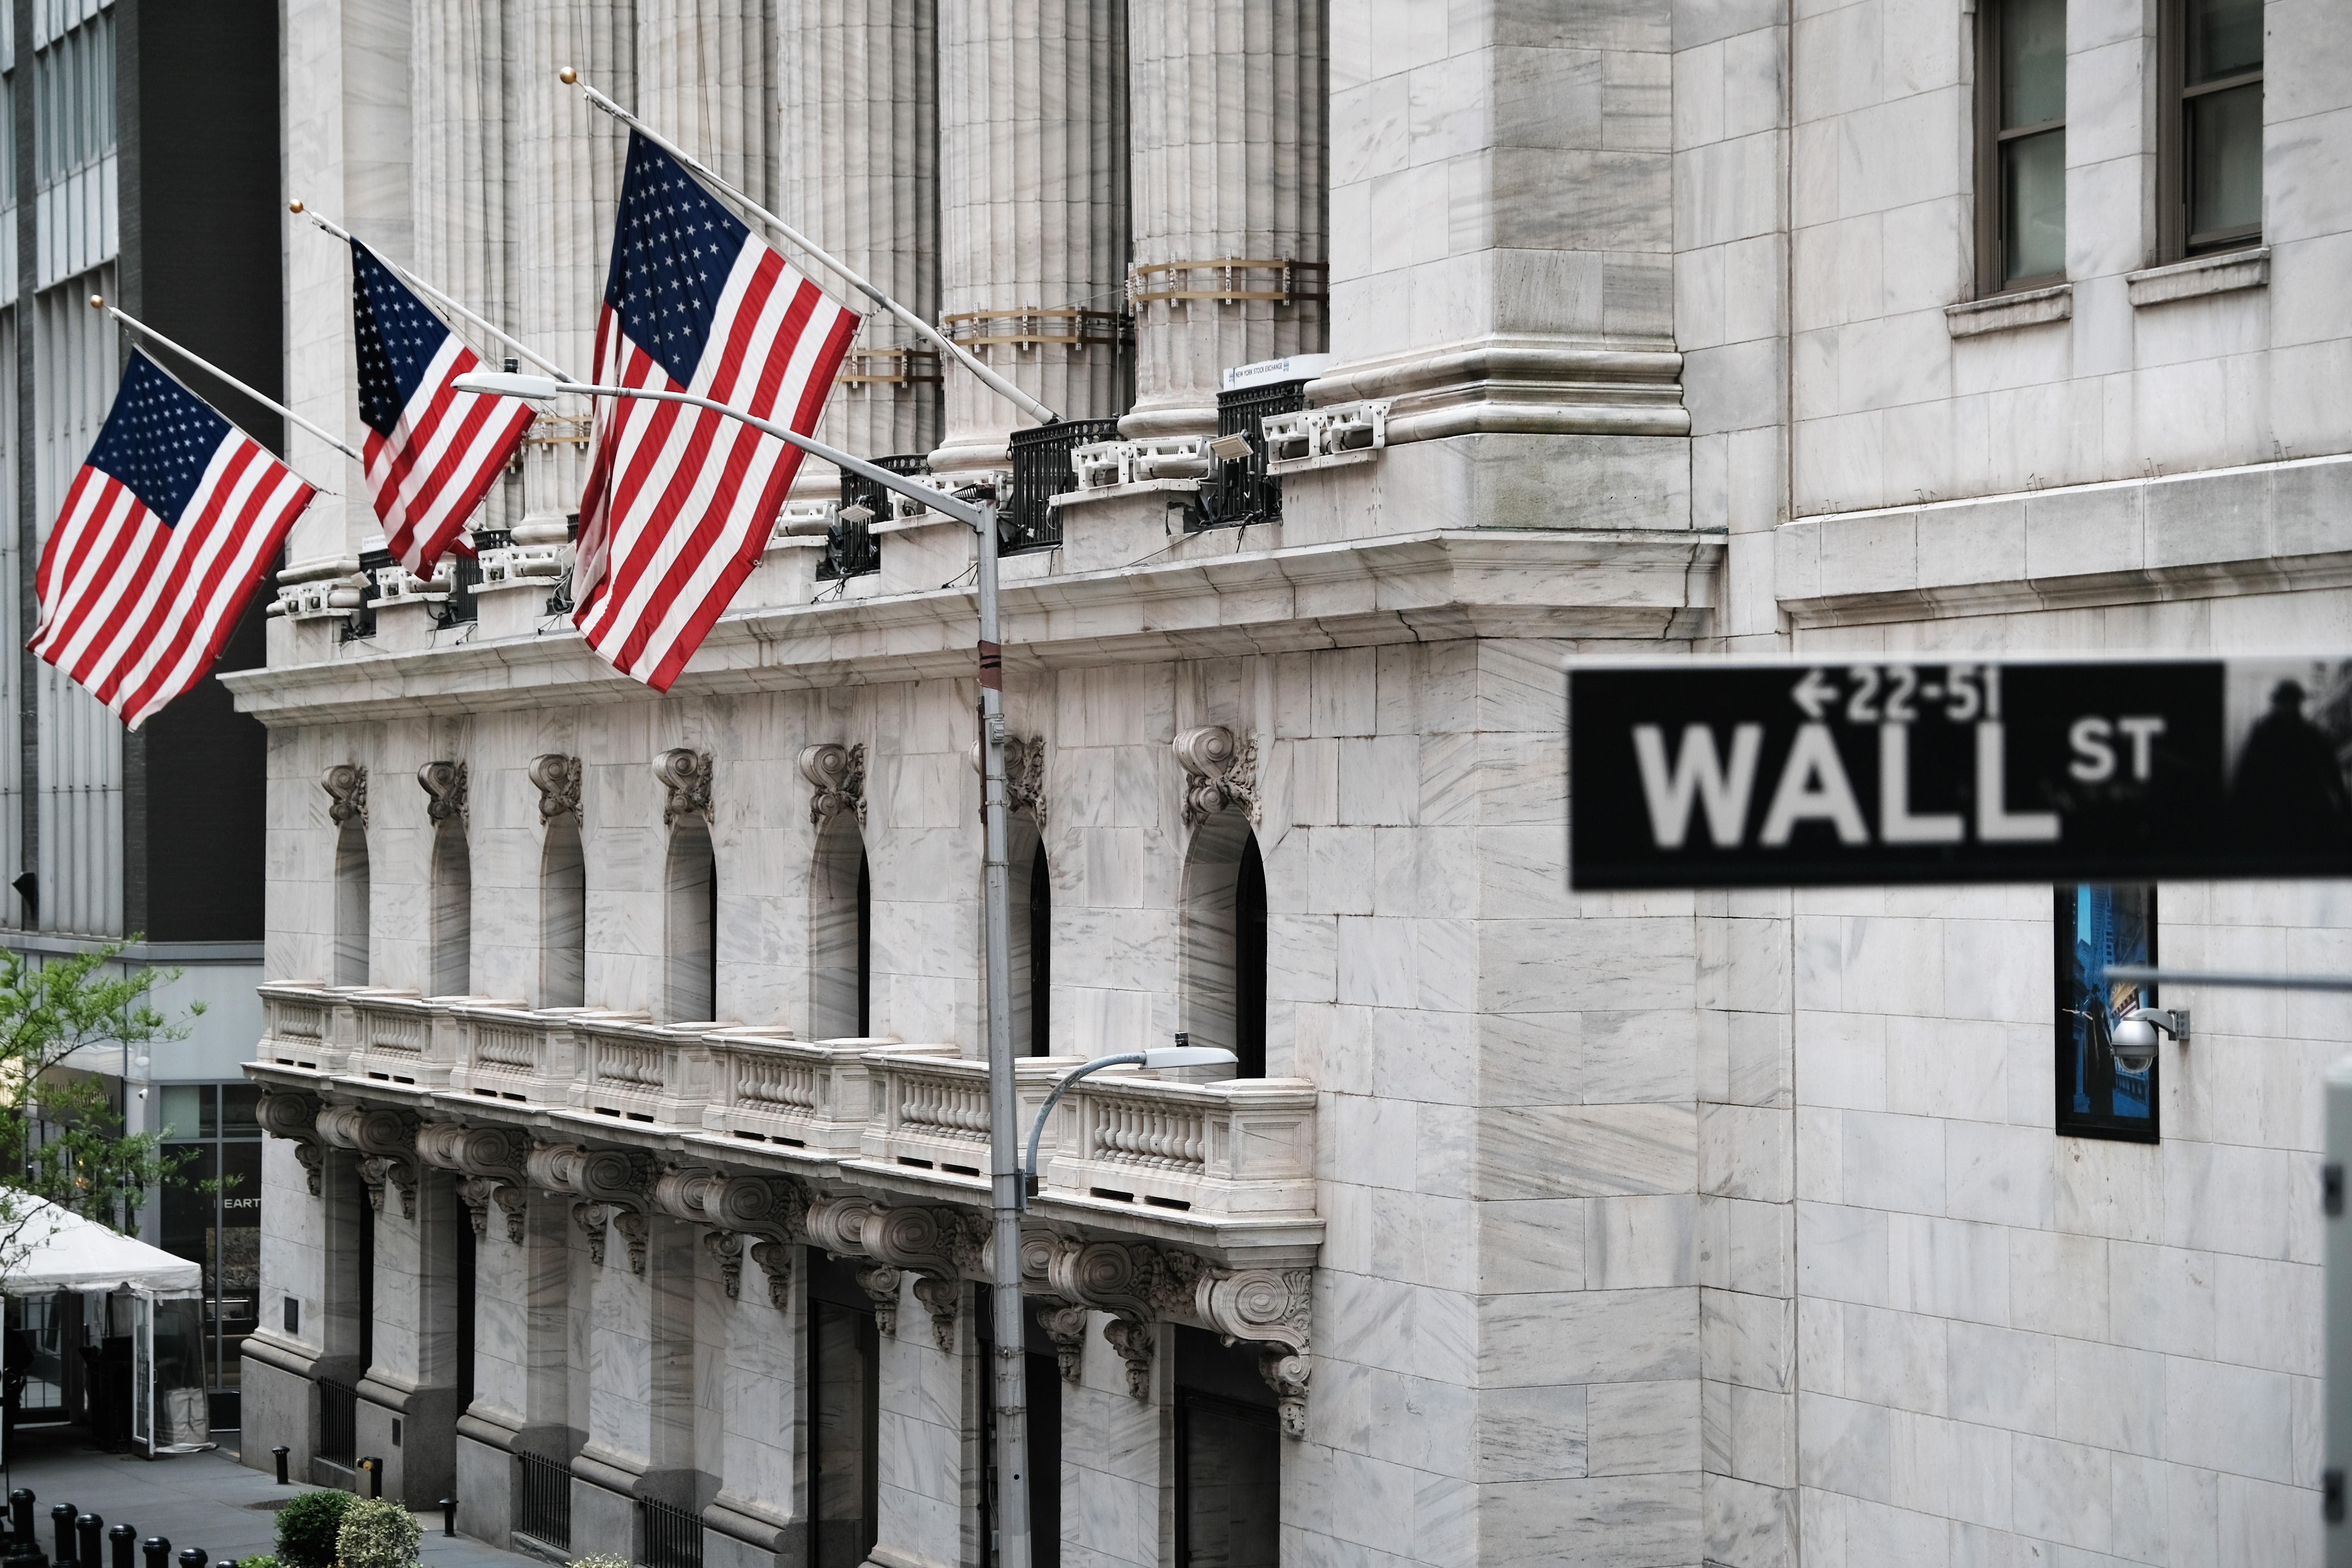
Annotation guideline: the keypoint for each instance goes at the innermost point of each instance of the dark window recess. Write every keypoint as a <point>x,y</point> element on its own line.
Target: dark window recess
<point>463,1306</point>
<point>844,1416</point>
<point>544,1499</point>
<point>1249,963</point>
<point>1228,1457</point>
<point>1041,955</point>
<point>853,548</point>
<point>293,1315</point>
<point>1242,492</point>
<point>1042,470</point>
<point>338,1404</point>
<point>1042,1397</point>
<point>865,946</point>
<point>2210,136</point>
<point>363,621</point>
<point>2097,926</point>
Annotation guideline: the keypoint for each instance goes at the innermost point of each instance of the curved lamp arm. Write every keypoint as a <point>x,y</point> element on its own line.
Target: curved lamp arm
<point>1180,1055</point>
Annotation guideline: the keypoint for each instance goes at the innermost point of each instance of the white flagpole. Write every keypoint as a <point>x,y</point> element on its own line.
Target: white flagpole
<point>98,302</point>
<point>953,350</point>
<point>421,286</point>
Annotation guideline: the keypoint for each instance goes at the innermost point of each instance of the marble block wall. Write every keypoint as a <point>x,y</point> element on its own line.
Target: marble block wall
<point>412,1375</point>
<point>927,1411</point>
<point>756,1386</point>
<point>1114,1455</point>
<point>277,1392</point>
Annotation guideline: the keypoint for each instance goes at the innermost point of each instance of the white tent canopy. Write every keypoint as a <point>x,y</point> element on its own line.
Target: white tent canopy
<point>63,1252</point>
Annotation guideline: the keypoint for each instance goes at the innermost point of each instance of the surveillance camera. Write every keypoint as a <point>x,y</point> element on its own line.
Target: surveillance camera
<point>2134,1041</point>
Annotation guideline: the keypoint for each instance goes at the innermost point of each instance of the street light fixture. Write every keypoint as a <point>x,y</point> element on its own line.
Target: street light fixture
<point>1156,1058</point>
<point>1004,1108</point>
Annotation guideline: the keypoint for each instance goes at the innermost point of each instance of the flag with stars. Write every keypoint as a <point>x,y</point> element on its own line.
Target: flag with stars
<point>432,451</point>
<point>680,501</point>
<point>174,517</point>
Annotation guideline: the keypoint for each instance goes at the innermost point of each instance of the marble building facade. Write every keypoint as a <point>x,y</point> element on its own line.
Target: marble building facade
<point>624,1067</point>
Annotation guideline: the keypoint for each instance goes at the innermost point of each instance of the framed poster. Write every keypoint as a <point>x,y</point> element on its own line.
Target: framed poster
<point>2097,925</point>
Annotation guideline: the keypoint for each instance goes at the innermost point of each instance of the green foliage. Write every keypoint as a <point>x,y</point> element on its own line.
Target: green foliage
<point>61,1138</point>
<point>602,1562</point>
<point>377,1533</point>
<point>263,1561</point>
<point>308,1526</point>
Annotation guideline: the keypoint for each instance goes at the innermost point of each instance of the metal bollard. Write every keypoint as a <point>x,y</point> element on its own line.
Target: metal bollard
<point>20,1512</point>
<point>157,1549</point>
<point>374,1468</point>
<point>192,1557</point>
<point>449,1516</point>
<point>62,1516</point>
<point>279,1453</point>
<point>86,1533</point>
<point>124,1539</point>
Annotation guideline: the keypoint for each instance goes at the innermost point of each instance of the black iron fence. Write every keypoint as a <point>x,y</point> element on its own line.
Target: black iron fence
<point>339,1410</point>
<point>1042,470</point>
<point>1242,491</point>
<point>673,1535</point>
<point>851,548</point>
<point>544,1499</point>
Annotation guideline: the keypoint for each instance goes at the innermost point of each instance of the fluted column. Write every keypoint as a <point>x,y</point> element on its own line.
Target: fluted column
<point>706,78</point>
<point>857,170</point>
<point>1230,157</point>
<point>566,179</point>
<point>1032,209</point>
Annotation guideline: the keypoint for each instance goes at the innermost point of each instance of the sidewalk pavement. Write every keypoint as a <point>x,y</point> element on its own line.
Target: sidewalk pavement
<point>192,1500</point>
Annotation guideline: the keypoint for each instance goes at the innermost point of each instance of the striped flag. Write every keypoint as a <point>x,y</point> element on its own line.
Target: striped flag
<point>173,520</point>
<point>431,451</point>
<point>680,501</point>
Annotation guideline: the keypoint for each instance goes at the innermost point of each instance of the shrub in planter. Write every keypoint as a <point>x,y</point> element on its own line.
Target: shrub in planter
<point>306,1528</point>
<point>378,1533</point>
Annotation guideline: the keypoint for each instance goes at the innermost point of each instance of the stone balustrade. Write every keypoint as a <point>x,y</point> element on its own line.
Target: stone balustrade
<point>1241,1150</point>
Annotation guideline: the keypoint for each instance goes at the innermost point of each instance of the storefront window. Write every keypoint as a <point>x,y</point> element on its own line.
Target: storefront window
<point>212,1216</point>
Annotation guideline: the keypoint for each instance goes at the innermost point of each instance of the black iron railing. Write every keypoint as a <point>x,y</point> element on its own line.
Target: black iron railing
<point>1042,470</point>
<point>339,1410</point>
<point>1242,492</point>
<point>465,572</point>
<point>851,548</point>
<point>363,621</point>
<point>544,1499</point>
<point>673,1535</point>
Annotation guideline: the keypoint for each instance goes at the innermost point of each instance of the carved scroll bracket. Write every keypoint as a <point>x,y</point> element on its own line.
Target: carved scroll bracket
<point>1024,773</point>
<point>727,1246</point>
<point>386,1141</point>
<point>685,774</point>
<point>558,778</point>
<point>346,788</point>
<point>836,776</point>
<point>1220,773</point>
<point>491,1160</point>
<point>590,1218</point>
<point>295,1117</point>
<point>444,790</point>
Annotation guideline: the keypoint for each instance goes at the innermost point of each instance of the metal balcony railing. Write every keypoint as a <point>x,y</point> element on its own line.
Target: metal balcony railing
<point>1242,491</point>
<point>1042,470</point>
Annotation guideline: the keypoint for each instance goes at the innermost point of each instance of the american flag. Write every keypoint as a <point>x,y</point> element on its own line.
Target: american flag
<point>680,501</point>
<point>431,451</point>
<point>168,527</point>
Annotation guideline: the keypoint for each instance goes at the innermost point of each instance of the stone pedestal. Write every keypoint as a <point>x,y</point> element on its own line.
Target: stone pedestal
<point>1032,198</point>
<point>1230,156</point>
<point>857,172</point>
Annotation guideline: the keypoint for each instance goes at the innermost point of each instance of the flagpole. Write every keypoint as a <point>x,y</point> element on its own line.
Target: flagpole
<point>413,282</point>
<point>955,351</point>
<point>98,302</point>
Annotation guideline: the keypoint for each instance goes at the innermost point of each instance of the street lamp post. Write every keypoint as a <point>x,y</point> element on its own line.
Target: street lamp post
<point>1005,1195</point>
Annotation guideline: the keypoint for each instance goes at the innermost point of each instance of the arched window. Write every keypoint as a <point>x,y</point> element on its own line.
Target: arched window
<point>351,965</point>
<point>1223,979</point>
<point>1030,942</point>
<point>692,939</point>
<point>453,909</point>
<point>841,933</point>
<point>562,917</point>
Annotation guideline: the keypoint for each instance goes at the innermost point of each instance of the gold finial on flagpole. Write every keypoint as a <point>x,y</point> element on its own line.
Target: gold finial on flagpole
<point>98,301</point>
<point>295,205</point>
<point>567,76</point>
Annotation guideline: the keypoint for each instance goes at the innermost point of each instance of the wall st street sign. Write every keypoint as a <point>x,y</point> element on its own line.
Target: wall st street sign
<point>1751,773</point>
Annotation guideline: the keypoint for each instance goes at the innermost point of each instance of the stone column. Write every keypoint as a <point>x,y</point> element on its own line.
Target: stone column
<point>705,79</point>
<point>1032,198</point>
<point>566,184</point>
<point>1503,275</point>
<point>1230,159</point>
<point>857,172</point>
<point>414,1376</point>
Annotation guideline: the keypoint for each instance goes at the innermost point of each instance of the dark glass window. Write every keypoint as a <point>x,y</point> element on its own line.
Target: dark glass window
<point>2097,926</point>
<point>865,946</point>
<point>219,1228</point>
<point>2021,135</point>
<point>2211,167</point>
<point>1228,1457</point>
<point>1249,963</point>
<point>1041,955</point>
<point>844,1418</point>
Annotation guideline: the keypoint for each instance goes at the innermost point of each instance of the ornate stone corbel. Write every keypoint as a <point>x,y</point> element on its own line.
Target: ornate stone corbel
<point>836,775</point>
<point>1024,773</point>
<point>620,1177</point>
<point>1067,1326</point>
<point>937,1243</point>
<point>295,1117</point>
<point>444,790</point>
<point>489,1157</point>
<point>838,1225</point>
<point>685,1191</point>
<point>1220,772</point>
<point>727,1246</point>
<point>1127,1279</point>
<point>774,1207</point>
<point>775,1261</point>
<point>686,775</point>
<point>386,1141</point>
<point>590,1218</point>
<point>477,1192</point>
<point>880,1283</point>
<point>346,788</point>
<point>635,1230</point>
<point>558,778</point>
<point>379,1171</point>
<point>1269,1308</point>
<point>941,1298</point>
<point>514,1202</point>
